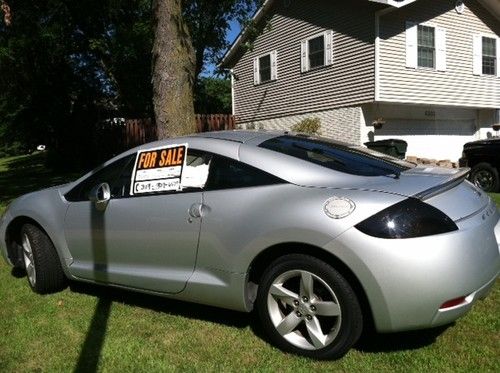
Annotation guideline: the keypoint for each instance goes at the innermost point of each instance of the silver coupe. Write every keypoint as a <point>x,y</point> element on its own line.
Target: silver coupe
<point>318,236</point>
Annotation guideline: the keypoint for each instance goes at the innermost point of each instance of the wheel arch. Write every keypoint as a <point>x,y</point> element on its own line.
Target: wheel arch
<point>13,237</point>
<point>267,256</point>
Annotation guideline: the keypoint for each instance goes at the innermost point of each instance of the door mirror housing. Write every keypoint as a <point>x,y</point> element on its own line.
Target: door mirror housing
<point>100,195</point>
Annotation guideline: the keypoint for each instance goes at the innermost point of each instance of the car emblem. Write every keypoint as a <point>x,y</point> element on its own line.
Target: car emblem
<point>338,207</point>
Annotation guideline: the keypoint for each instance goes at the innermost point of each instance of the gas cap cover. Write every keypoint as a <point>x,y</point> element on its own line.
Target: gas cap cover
<point>338,207</point>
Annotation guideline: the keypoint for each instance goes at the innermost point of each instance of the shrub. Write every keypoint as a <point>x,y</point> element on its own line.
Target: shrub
<point>311,126</point>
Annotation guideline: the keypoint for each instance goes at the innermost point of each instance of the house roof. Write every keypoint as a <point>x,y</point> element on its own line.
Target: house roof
<point>492,5</point>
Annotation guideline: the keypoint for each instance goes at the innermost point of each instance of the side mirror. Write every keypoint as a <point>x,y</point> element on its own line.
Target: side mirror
<point>100,195</point>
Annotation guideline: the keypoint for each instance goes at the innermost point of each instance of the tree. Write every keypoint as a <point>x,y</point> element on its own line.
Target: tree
<point>188,33</point>
<point>213,96</point>
<point>173,71</point>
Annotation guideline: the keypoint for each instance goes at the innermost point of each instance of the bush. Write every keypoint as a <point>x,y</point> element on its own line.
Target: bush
<point>311,126</point>
<point>15,148</point>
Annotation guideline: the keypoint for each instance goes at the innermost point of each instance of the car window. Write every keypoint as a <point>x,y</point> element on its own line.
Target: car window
<point>195,173</point>
<point>337,156</point>
<point>226,173</point>
<point>117,175</point>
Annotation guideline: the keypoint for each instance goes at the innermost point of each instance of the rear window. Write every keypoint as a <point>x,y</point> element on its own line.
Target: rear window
<point>350,159</point>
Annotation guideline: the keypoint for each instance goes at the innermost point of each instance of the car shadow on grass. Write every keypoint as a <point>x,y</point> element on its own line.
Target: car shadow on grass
<point>164,305</point>
<point>373,342</point>
<point>370,341</point>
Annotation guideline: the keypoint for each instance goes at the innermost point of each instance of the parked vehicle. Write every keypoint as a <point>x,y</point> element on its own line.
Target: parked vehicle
<point>317,235</point>
<point>483,157</point>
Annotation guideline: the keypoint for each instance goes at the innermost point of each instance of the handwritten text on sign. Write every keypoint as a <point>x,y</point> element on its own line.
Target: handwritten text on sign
<point>159,170</point>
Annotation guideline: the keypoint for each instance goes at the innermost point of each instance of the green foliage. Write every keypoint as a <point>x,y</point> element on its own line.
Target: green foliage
<point>311,126</point>
<point>66,66</point>
<point>209,21</point>
<point>213,96</point>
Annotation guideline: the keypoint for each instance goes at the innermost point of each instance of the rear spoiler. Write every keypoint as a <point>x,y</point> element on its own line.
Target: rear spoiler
<point>448,184</point>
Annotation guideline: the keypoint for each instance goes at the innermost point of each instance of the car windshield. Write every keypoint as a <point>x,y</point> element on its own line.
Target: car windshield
<point>355,160</point>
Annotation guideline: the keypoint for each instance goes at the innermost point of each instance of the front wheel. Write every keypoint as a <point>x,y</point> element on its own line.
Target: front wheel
<point>485,176</point>
<point>45,274</point>
<point>308,308</point>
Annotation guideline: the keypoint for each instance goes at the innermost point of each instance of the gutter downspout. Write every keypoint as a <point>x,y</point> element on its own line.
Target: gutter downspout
<point>231,72</point>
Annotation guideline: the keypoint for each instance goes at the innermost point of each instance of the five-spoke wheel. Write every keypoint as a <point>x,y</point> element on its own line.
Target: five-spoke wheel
<point>307,307</point>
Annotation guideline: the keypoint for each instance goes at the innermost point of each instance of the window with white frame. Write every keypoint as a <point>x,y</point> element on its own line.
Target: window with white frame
<point>489,56</point>
<point>316,51</point>
<point>425,46</point>
<point>265,68</point>
<point>486,55</point>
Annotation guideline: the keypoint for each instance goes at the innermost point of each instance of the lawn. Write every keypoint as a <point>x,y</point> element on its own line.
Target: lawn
<point>88,328</point>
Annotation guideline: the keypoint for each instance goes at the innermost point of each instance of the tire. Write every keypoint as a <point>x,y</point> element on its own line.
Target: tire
<point>322,322</point>
<point>485,176</point>
<point>45,274</point>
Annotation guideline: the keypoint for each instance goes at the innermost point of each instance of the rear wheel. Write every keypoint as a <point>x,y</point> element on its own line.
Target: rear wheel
<point>43,268</point>
<point>485,176</point>
<point>308,308</point>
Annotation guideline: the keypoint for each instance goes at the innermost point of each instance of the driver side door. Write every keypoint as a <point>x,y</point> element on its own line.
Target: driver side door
<point>142,241</point>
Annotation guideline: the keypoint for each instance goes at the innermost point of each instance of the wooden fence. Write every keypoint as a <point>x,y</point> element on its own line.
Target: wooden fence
<point>140,131</point>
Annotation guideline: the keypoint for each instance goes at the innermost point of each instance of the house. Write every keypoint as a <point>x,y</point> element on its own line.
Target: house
<point>425,71</point>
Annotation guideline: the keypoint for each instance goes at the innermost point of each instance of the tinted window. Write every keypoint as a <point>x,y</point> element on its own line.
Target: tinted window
<point>226,173</point>
<point>117,175</point>
<point>337,156</point>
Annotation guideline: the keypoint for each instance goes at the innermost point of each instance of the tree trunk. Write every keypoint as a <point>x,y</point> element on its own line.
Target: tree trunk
<point>173,71</point>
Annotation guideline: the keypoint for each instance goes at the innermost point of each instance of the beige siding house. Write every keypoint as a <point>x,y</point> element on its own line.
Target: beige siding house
<point>425,71</point>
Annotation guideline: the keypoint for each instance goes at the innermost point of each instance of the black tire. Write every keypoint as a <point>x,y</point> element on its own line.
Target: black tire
<point>48,274</point>
<point>343,331</point>
<point>485,176</point>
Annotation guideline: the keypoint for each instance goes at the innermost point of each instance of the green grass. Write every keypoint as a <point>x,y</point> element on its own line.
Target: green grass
<point>87,328</point>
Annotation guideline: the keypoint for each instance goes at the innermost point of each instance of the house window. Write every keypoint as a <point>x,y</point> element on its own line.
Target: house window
<point>316,55</point>
<point>489,53</point>
<point>426,46</point>
<point>265,68</point>
<point>486,59</point>
<point>316,51</point>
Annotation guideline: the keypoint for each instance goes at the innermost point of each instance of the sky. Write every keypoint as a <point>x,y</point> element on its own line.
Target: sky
<point>231,37</point>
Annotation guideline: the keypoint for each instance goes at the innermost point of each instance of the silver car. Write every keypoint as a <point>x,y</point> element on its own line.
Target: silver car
<point>318,236</point>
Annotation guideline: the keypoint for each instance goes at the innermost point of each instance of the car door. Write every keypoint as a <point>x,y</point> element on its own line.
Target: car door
<point>138,241</point>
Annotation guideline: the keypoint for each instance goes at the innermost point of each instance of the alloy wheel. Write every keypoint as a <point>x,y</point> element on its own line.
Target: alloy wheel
<point>29,262</point>
<point>304,309</point>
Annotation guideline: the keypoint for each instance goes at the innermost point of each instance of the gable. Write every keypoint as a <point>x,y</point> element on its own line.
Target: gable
<point>493,6</point>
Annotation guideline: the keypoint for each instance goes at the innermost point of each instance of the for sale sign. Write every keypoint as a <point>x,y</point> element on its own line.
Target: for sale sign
<point>159,170</point>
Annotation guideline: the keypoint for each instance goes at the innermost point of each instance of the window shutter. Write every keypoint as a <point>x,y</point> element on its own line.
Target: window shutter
<point>304,66</point>
<point>328,47</point>
<point>256,77</point>
<point>498,57</point>
<point>477,52</point>
<point>411,45</point>
<point>274,65</point>
<point>440,49</point>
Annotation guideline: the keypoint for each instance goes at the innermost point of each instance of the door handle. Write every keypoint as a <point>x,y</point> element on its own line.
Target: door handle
<point>195,211</point>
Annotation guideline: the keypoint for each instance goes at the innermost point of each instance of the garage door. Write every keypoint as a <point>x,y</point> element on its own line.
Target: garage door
<point>434,139</point>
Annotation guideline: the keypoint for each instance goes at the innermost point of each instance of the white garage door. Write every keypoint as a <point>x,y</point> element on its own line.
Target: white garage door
<point>434,139</point>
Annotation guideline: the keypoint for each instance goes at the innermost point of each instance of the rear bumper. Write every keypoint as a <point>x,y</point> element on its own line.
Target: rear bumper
<point>407,280</point>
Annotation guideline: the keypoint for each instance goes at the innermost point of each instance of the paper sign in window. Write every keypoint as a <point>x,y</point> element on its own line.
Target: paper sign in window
<point>159,170</point>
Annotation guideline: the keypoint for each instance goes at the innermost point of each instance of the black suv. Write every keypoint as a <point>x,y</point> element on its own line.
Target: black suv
<point>483,157</point>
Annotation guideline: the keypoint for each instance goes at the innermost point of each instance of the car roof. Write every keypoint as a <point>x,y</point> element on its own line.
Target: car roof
<point>241,136</point>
